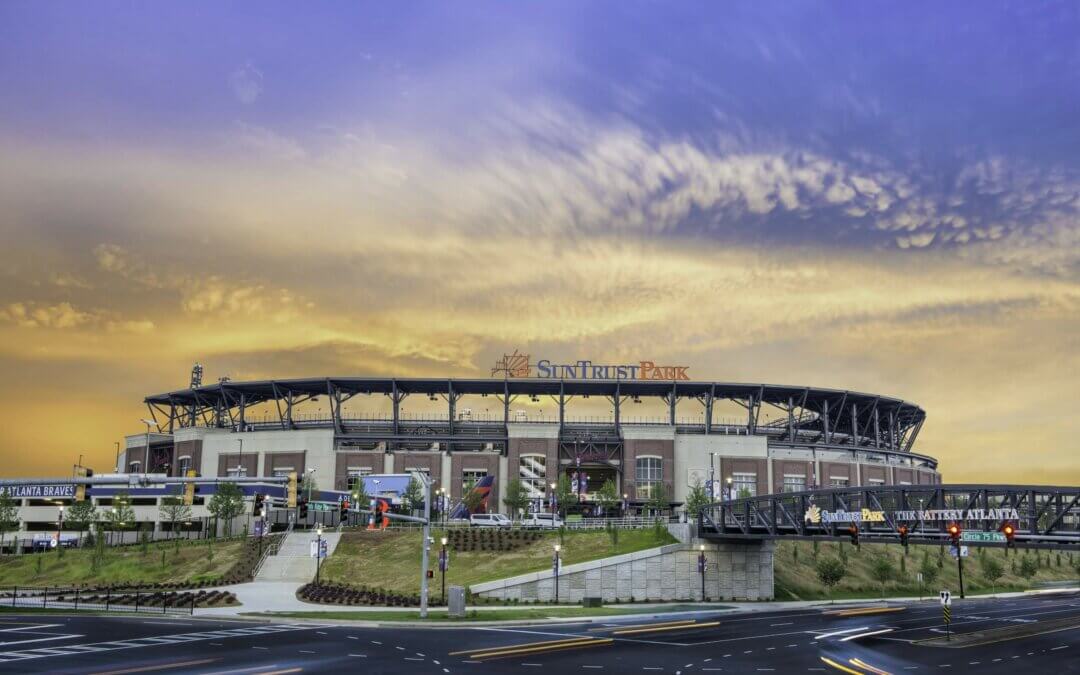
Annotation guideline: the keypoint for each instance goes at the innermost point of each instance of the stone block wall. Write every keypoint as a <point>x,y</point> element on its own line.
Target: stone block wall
<point>737,571</point>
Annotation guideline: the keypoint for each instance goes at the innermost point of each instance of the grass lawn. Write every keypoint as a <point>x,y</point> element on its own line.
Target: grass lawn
<point>512,614</point>
<point>391,559</point>
<point>796,579</point>
<point>121,565</point>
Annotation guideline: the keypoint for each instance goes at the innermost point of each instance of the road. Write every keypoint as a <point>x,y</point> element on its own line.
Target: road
<point>879,639</point>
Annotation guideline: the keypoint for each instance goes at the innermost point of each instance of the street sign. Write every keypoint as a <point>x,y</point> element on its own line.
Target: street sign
<point>946,598</point>
<point>963,551</point>
<point>918,577</point>
<point>969,535</point>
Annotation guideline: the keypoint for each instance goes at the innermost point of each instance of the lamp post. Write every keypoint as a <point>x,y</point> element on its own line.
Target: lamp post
<point>712,477</point>
<point>116,469</point>
<point>554,500</point>
<point>240,472</point>
<point>555,566</point>
<point>318,552</point>
<point>146,466</point>
<point>702,564</point>
<point>443,564</point>
<point>625,504</point>
<point>729,495</point>
<point>59,527</point>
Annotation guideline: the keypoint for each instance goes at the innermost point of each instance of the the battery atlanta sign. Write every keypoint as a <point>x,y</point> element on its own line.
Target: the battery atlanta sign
<point>519,365</point>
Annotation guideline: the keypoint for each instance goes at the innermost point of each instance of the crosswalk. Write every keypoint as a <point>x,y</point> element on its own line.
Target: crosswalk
<point>136,643</point>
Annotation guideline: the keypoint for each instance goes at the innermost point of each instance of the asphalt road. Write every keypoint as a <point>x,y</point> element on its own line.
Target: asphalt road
<point>809,640</point>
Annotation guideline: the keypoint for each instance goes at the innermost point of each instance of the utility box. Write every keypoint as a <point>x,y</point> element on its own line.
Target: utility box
<point>456,602</point>
<point>592,602</point>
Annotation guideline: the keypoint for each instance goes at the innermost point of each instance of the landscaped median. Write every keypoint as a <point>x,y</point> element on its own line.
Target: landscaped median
<point>499,614</point>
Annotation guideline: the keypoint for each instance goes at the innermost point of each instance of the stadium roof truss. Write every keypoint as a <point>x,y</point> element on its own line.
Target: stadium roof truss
<point>812,415</point>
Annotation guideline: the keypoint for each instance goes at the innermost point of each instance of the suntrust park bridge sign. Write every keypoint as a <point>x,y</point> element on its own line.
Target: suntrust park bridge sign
<point>518,365</point>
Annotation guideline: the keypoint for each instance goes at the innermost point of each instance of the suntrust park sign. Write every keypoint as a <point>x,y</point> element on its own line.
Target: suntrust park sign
<point>519,365</point>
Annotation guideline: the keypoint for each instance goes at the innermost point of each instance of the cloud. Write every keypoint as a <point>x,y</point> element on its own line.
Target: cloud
<point>246,83</point>
<point>34,315</point>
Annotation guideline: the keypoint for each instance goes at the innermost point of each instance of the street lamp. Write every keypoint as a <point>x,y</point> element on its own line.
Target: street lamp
<point>59,527</point>
<point>146,466</point>
<point>554,501</point>
<point>318,552</point>
<point>116,469</point>
<point>701,565</point>
<point>240,472</point>
<point>555,565</point>
<point>729,495</point>
<point>443,564</point>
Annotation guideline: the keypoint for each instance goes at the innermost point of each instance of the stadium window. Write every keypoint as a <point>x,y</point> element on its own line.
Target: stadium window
<point>183,465</point>
<point>838,481</point>
<point>794,483</point>
<point>745,484</point>
<point>236,472</point>
<point>472,476</point>
<point>134,467</point>
<point>355,474</point>
<point>532,471</point>
<point>283,471</point>
<point>876,481</point>
<point>648,472</point>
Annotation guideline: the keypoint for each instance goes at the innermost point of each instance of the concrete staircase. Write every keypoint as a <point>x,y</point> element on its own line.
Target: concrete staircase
<point>293,562</point>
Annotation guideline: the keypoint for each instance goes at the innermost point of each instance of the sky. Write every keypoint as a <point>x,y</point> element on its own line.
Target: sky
<point>864,196</point>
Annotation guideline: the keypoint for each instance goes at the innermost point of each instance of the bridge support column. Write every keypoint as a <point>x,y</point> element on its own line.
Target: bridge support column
<point>737,570</point>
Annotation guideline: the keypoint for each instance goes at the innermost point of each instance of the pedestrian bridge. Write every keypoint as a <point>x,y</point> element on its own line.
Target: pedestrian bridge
<point>1040,516</point>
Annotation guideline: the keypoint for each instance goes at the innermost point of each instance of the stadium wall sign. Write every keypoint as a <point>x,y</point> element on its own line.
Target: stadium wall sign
<point>518,365</point>
<point>959,514</point>
<point>39,491</point>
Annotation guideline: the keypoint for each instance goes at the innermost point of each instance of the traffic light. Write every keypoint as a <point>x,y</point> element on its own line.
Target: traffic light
<point>343,509</point>
<point>301,508</point>
<point>290,492</point>
<point>954,531</point>
<point>903,535</point>
<point>1009,531</point>
<point>189,489</point>
<point>853,531</point>
<point>258,505</point>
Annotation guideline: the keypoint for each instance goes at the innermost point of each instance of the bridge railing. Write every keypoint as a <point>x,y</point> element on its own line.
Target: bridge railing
<point>1041,516</point>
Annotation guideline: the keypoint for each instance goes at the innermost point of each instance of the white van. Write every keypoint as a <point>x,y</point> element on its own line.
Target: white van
<point>542,520</point>
<point>489,520</point>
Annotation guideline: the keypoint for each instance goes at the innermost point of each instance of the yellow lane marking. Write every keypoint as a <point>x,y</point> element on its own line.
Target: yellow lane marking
<point>547,648</point>
<point>865,611</point>
<point>841,667</point>
<point>862,664</point>
<point>162,666</point>
<point>644,625</point>
<point>527,644</point>
<point>635,631</point>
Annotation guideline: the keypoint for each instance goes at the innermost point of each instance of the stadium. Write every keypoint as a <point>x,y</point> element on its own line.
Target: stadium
<point>737,438</point>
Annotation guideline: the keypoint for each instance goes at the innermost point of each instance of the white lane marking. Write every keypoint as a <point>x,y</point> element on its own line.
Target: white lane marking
<point>399,648</point>
<point>44,639</point>
<point>786,623</point>
<point>840,632</point>
<point>598,667</point>
<point>651,668</point>
<point>263,648</point>
<point>321,632</point>
<point>1054,649</point>
<point>352,637</point>
<point>534,665</point>
<point>867,634</point>
<point>412,658</point>
<point>359,656</point>
<point>166,623</point>
<point>419,654</point>
<point>304,651</point>
<point>375,642</point>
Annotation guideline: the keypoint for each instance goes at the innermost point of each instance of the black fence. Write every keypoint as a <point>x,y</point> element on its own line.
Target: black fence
<point>76,598</point>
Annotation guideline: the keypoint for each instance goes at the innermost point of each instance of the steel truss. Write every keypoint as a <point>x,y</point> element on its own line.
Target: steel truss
<point>1047,517</point>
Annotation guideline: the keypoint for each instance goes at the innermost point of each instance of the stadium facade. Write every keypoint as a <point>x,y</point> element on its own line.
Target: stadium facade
<point>784,438</point>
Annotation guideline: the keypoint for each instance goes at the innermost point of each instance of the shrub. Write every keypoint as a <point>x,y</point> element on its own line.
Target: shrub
<point>830,571</point>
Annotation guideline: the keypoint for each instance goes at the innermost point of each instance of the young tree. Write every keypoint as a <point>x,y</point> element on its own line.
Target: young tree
<point>929,571</point>
<point>830,572</point>
<point>174,511</point>
<point>1028,567</point>
<point>883,571</point>
<point>472,499</point>
<point>658,499</point>
<point>517,497</point>
<point>992,570</point>
<point>564,495</point>
<point>226,504</point>
<point>121,516</point>
<point>607,496</point>
<point>696,499</point>
<point>80,516</point>
<point>309,487</point>
<point>413,497</point>
<point>9,516</point>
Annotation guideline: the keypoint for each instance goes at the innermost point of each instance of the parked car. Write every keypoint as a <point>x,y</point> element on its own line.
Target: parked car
<point>542,520</point>
<point>489,520</point>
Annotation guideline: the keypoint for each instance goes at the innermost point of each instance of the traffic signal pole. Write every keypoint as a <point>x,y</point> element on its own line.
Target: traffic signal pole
<point>426,544</point>
<point>960,569</point>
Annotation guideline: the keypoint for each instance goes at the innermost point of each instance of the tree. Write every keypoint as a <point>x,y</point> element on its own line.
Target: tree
<point>472,499</point>
<point>226,504</point>
<point>830,571</point>
<point>121,515</point>
<point>882,571</point>
<point>658,499</point>
<point>563,494</point>
<point>413,497</point>
<point>992,570</point>
<point>696,499</point>
<point>9,516</point>
<point>517,497</point>
<point>743,493</point>
<point>309,487</point>
<point>1028,567</point>
<point>174,511</point>
<point>81,515</point>
<point>607,496</point>
<point>928,570</point>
